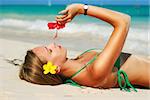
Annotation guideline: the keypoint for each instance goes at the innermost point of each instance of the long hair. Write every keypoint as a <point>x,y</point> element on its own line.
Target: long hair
<point>31,71</point>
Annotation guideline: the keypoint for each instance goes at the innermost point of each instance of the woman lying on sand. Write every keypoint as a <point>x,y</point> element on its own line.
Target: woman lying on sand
<point>49,65</point>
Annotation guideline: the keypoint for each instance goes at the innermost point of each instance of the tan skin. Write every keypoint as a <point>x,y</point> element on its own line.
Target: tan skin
<point>99,73</point>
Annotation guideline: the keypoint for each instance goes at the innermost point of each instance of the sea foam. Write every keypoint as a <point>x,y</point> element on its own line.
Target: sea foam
<point>137,37</point>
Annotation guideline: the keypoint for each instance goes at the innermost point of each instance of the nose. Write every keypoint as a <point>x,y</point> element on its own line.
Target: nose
<point>51,46</point>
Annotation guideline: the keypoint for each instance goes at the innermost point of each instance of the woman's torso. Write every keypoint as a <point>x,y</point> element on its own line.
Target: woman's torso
<point>84,78</point>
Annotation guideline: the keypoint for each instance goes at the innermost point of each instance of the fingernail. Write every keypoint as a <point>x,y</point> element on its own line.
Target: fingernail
<point>59,23</point>
<point>60,13</point>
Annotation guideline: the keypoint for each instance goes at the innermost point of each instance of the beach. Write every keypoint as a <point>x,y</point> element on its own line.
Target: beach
<point>21,31</point>
<point>12,88</point>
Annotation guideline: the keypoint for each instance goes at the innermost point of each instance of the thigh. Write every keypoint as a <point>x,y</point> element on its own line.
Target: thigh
<point>138,69</point>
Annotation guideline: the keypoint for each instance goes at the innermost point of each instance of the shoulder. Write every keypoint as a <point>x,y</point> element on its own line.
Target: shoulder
<point>84,78</point>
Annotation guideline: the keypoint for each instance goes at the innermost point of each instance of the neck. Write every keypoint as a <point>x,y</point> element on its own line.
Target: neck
<point>69,67</point>
<point>65,66</point>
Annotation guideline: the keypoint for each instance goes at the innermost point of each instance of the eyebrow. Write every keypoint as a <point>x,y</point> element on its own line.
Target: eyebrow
<point>46,48</point>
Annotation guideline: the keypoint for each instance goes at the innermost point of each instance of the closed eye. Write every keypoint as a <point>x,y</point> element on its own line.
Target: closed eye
<point>48,50</point>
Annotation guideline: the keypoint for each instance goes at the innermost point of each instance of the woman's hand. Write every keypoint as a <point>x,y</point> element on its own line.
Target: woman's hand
<point>69,13</point>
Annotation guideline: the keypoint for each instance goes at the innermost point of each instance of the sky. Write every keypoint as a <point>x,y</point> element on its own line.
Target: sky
<point>99,2</point>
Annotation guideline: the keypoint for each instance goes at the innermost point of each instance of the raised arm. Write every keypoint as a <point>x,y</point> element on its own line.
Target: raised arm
<point>121,22</point>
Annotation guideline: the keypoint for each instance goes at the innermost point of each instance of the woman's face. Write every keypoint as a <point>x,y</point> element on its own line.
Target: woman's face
<point>51,52</point>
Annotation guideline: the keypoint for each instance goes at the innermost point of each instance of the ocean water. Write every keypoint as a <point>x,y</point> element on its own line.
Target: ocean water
<point>29,23</point>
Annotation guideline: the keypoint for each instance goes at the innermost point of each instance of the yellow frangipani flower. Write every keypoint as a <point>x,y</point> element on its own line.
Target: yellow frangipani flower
<point>49,68</point>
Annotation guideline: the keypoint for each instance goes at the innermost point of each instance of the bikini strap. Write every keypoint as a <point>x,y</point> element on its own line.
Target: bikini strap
<point>73,83</point>
<point>90,62</point>
<point>120,78</point>
<point>124,78</point>
<point>117,63</point>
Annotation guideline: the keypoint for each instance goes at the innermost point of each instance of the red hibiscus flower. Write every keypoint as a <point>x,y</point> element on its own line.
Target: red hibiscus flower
<point>55,25</point>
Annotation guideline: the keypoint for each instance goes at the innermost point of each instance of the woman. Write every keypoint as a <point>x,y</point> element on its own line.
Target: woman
<point>94,69</point>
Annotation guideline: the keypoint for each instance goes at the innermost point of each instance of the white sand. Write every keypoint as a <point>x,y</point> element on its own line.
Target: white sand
<point>12,88</point>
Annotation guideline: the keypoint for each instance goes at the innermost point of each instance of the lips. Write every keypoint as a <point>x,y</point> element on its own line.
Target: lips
<point>59,46</point>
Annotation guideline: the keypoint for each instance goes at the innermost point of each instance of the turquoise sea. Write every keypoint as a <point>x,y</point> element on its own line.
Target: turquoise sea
<point>28,21</point>
<point>30,12</point>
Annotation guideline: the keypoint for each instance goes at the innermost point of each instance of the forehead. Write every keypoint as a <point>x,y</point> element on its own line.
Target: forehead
<point>39,51</point>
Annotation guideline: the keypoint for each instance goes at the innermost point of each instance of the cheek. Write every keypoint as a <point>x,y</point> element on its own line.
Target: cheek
<point>47,56</point>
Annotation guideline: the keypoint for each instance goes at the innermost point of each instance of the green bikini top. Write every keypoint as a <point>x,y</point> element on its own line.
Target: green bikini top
<point>121,79</point>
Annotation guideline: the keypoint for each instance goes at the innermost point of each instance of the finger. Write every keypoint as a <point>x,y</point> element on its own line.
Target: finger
<point>64,19</point>
<point>69,20</point>
<point>60,16</point>
<point>64,22</point>
<point>63,12</point>
<point>61,23</point>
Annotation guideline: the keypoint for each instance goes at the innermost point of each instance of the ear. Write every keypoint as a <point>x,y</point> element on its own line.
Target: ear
<point>58,70</point>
